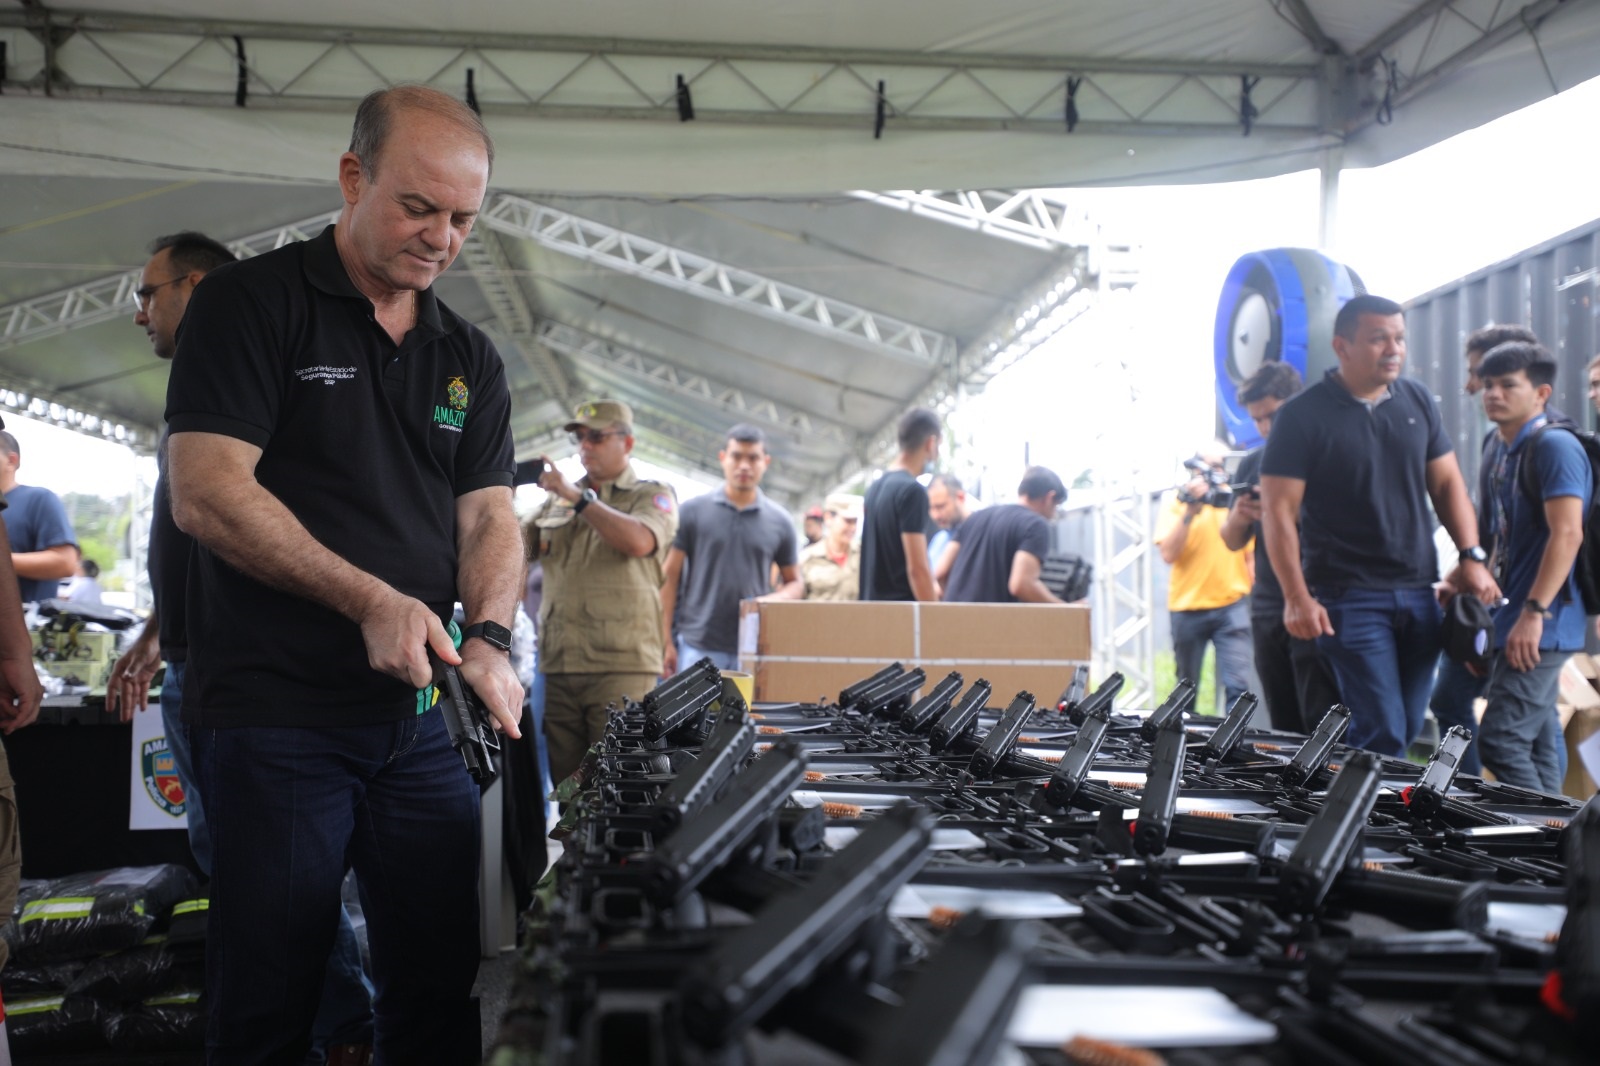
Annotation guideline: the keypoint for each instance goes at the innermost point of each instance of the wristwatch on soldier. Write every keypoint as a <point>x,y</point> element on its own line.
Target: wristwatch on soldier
<point>491,633</point>
<point>589,496</point>
<point>1475,554</point>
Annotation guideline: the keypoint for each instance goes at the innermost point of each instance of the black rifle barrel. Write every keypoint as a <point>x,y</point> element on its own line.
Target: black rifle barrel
<point>1180,699</point>
<point>1159,800</point>
<point>1313,754</point>
<point>690,676</point>
<point>1069,776</point>
<point>999,741</point>
<point>1101,697</point>
<point>1424,799</point>
<point>732,738</point>
<point>1226,736</point>
<point>850,694</point>
<point>1331,838</point>
<point>754,966</point>
<point>935,703</point>
<point>955,722</point>
<point>707,839</point>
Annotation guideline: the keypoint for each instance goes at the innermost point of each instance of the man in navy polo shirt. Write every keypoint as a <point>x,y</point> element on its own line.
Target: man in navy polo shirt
<point>341,452</point>
<point>997,554</point>
<point>44,550</point>
<point>727,543</point>
<point>1348,472</point>
<point>1537,490</point>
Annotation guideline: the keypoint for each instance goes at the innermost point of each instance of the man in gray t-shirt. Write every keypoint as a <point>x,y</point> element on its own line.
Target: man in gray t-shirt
<point>727,543</point>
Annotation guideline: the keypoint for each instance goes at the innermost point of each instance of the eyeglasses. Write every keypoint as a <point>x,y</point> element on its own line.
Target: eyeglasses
<point>141,295</point>
<point>596,437</point>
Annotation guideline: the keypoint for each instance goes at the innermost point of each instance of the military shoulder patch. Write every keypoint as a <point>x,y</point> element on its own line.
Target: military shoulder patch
<point>663,502</point>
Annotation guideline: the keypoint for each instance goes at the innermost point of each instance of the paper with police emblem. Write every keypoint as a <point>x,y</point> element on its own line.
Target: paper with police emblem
<point>155,795</point>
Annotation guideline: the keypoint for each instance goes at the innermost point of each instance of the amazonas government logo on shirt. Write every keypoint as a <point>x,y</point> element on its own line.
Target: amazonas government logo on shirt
<point>452,414</point>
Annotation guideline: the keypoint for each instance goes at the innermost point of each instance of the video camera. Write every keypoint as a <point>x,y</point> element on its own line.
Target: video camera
<point>1219,487</point>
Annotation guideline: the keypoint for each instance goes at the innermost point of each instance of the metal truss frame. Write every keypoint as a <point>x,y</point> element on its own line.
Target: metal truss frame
<point>33,400</point>
<point>111,297</point>
<point>1123,589</point>
<point>699,275</point>
<point>491,269</point>
<point>1034,217</point>
<point>658,373</point>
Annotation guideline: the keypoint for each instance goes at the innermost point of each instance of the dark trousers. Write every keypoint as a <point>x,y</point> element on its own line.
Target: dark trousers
<point>290,809</point>
<point>1454,691</point>
<point>1297,685</point>
<point>1225,628</point>
<point>1383,651</point>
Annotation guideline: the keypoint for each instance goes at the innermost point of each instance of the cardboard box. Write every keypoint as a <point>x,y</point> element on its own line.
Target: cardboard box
<point>803,650</point>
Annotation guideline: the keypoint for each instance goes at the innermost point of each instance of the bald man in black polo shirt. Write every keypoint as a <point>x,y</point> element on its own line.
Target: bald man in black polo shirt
<point>341,451</point>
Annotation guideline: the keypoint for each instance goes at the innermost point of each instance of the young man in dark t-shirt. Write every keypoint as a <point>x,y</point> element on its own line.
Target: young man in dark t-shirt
<point>997,554</point>
<point>894,544</point>
<point>1349,470</point>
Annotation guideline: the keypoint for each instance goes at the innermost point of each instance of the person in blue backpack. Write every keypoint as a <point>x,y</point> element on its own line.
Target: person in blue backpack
<point>1537,488</point>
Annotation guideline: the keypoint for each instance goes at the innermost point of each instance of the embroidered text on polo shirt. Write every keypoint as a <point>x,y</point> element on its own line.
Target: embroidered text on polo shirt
<point>325,374</point>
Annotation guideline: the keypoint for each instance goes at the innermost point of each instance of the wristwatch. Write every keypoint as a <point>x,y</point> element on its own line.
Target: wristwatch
<point>1531,604</point>
<point>589,496</point>
<point>492,633</point>
<point>1475,554</point>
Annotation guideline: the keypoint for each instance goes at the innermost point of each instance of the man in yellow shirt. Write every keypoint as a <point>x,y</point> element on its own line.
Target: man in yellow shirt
<point>1209,587</point>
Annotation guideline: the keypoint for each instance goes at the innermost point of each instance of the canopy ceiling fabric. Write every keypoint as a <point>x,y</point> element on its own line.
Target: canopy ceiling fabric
<point>120,124</point>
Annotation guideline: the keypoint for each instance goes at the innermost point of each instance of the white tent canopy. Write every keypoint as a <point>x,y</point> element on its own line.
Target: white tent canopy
<point>712,270</point>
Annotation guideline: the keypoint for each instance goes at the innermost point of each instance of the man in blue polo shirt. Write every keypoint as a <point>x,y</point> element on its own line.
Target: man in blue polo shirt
<point>44,550</point>
<point>727,543</point>
<point>1537,489</point>
<point>1348,472</point>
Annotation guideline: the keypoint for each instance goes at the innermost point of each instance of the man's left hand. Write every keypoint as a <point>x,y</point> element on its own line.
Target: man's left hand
<point>1522,645</point>
<point>1474,579</point>
<point>488,672</point>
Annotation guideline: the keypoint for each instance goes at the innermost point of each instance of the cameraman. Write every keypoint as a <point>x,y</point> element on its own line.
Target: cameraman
<point>1207,590</point>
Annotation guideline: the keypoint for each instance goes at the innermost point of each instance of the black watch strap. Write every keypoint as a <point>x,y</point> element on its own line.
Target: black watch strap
<point>492,633</point>
<point>588,496</point>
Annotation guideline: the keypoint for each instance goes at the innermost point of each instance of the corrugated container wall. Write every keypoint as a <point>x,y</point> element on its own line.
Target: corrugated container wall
<point>1550,288</point>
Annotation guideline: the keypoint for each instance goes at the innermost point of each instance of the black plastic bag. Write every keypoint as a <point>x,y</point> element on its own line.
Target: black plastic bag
<point>174,1022</point>
<point>54,1023</point>
<point>45,979</point>
<point>85,915</point>
<point>137,974</point>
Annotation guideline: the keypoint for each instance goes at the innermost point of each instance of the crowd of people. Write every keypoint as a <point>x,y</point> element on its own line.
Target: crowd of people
<point>336,477</point>
<point>1334,515</point>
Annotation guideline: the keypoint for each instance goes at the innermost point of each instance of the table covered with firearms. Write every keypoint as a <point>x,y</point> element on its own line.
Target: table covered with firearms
<point>923,870</point>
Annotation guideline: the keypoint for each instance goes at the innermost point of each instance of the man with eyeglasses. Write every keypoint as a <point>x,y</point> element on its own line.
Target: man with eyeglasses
<point>602,542</point>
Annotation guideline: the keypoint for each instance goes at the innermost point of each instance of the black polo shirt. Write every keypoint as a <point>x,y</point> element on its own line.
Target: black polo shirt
<point>990,540</point>
<point>170,551</point>
<point>367,443</point>
<point>1365,520</point>
<point>896,503</point>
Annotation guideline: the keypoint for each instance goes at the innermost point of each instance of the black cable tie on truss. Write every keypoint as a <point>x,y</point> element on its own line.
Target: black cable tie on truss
<point>685,101</point>
<point>1391,85</point>
<point>1248,113</point>
<point>472,92</point>
<point>242,88</point>
<point>1072,103</point>
<point>882,111</point>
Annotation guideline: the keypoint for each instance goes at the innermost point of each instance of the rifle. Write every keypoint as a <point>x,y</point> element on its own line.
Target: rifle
<point>709,838</point>
<point>750,969</point>
<point>931,706</point>
<point>999,741</point>
<point>1333,836</point>
<point>1424,798</point>
<point>1179,700</point>
<point>958,720</point>
<point>1313,754</point>
<point>1159,800</point>
<point>732,738</point>
<point>1226,736</point>
<point>1073,694</point>
<point>468,723</point>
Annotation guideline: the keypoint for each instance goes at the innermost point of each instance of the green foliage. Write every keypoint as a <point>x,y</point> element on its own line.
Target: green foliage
<point>101,526</point>
<point>1205,701</point>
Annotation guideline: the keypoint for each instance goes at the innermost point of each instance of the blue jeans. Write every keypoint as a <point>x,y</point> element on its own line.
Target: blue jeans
<point>1521,737</point>
<point>289,809</point>
<point>1384,647</point>
<point>1454,691</point>
<point>345,1014</point>
<point>688,655</point>
<point>1228,630</point>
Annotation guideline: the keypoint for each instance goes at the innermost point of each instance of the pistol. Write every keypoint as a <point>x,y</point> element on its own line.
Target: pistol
<point>1179,700</point>
<point>1226,736</point>
<point>894,696</point>
<point>1159,800</point>
<point>851,693</point>
<point>1075,764</point>
<point>958,720</point>
<point>732,738</point>
<point>1424,798</point>
<point>1102,697</point>
<point>1073,694</point>
<point>999,741</point>
<point>1313,754</point>
<point>685,707</point>
<point>1332,837</point>
<point>471,729</point>
<point>931,706</point>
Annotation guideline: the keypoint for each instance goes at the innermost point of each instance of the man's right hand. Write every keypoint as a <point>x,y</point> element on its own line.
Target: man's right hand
<point>398,631</point>
<point>669,661</point>
<point>554,481</point>
<point>1247,508</point>
<point>128,687</point>
<point>1305,618</point>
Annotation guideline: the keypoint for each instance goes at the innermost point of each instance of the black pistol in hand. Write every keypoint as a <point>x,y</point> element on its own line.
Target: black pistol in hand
<point>471,731</point>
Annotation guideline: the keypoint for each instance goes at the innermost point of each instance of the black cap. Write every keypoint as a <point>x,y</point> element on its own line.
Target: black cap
<point>1467,632</point>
